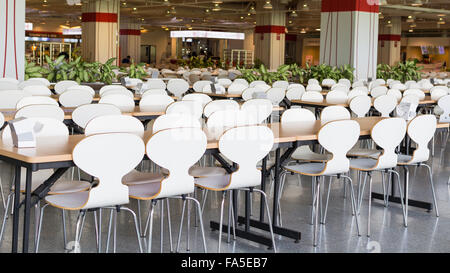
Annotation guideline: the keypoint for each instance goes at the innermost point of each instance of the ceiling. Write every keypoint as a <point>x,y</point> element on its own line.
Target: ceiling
<point>235,15</point>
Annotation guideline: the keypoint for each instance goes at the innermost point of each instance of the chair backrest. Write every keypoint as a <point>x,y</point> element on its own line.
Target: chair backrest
<point>312,96</point>
<point>38,90</point>
<point>114,124</point>
<point>123,102</point>
<point>10,98</point>
<point>60,87</point>
<point>413,85</point>
<point>248,93</point>
<point>236,88</point>
<point>340,87</point>
<point>444,104</point>
<point>336,97</point>
<point>34,81</point>
<point>108,157</point>
<point>281,84</point>
<point>81,87</point>
<point>355,93</point>
<point>396,93</point>
<point>203,99</point>
<point>35,100</point>
<point>205,76</point>
<point>328,82</point>
<point>385,104</point>
<point>421,130</point>
<point>198,86</point>
<point>9,84</point>
<point>399,86</point>
<point>75,97</point>
<point>216,105</point>
<point>255,83</point>
<point>224,82</point>
<point>426,85</point>
<point>409,83</point>
<point>360,105</point>
<point>83,114</point>
<point>359,83</point>
<point>117,91</point>
<point>177,87</point>
<point>332,113</point>
<point>378,91</point>
<point>155,103</point>
<point>263,87</point>
<point>186,107</point>
<point>413,99</point>
<point>110,87</point>
<point>246,146</point>
<point>313,81</point>
<point>296,115</point>
<point>292,85</point>
<point>388,133</point>
<point>313,87</point>
<point>338,137</point>
<point>436,94</point>
<point>219,89</point>
<point>416,92</point>
<point>154,92</point>
<point>188,144</point>
<point>261,108</point>
<point>295,93</point>
<point>445,88</point>
<point>345,82</point>
<point>41,111</point>
<point>51,128</point>
<point>241,81</point>
<point>2,120</point>
<point>175,120</point>
<point>193,78</point>
<point>276,95</point>
<point>156,84</point>
<point>362,88</point>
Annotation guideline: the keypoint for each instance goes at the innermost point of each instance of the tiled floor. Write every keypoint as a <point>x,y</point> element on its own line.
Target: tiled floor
<point>425,232</point>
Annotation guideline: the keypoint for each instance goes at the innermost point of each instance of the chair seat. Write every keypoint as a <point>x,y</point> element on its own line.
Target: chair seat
<point>304,153</point>
<point>135,177</point>
<point>363,164</point>
<point>214,183</point>
<point>70,201</point>
<point>206,171</point>
<point>311,169</point>
<point>359,152</point>
<point>404,159</point>
<point>144,191</point>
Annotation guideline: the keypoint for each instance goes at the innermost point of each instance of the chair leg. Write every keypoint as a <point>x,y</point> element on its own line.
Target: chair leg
<point>229,216</point>
<point>221,220</point>
<point>181,225</point>
<point>149,246</point>
<point>197,203</point>
<point>316,211</point>
<point>139,215</point>
<point>136,226</point>
<point>169,223</point>
<point>324,218</point>
<point>38,237</point>
<point>205,195</point>
<point>80,219</point>
<point>352,196</point>
<point>406,193</point>
<point>63,213</point>
<point>161,205</point>
<point>5,216</point>
<point>313,193</point>
<point>37,215</point>
<point>370,204</point>
<point>96,231</point>
<point>430,172</point>
<point>263,195</point>
<point>99,229</point>
<point>109,230</point>
<point>3,195</point>
<point>405,220</point>
<point>361,194</point>
<point>188,227</point>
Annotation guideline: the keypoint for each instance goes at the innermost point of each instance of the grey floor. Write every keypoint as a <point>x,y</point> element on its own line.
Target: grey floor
<point>425,232</point>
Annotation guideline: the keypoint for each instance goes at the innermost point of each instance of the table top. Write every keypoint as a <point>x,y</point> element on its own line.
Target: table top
<point>426,101</point>
<point>59,149</point>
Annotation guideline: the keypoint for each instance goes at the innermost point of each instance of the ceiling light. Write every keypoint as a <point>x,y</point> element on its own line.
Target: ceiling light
<point>303,31</point>
<point>417,3</point>
<point>317,29</point>
<point>206,10</point>
<point>267,5</point>
<point>166,2</point>
<point>217,2</point>
<point>252,10</point>
<point>305,7</point>
<point>216,7</point>
<point>411,30</point>
<point>293,13</point>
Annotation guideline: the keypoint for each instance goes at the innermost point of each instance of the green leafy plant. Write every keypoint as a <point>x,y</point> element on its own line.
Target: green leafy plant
<point>402,71</point>
<point>33,71</point>
<point>106,73</point>
<point>135,70</point>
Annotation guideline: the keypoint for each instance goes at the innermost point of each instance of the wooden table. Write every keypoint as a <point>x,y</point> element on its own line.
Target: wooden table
<point>56,153</point>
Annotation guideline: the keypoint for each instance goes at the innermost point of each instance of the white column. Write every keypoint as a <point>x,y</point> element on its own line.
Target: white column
<point>389,45</point>
<point>130,41</point>
<point>349,35</point>
<point>12,39</point>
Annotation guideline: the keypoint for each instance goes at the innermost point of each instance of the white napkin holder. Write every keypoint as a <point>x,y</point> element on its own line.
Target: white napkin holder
<point>406,110</point>
<point>259,95</point>
<point>125,81</point>
<point>23,132</point>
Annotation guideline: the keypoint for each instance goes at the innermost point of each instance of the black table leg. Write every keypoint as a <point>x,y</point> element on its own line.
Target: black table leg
<point>276,183</point>
<point>15,235</point>
<point>26,219</point>
<point>263,188</point>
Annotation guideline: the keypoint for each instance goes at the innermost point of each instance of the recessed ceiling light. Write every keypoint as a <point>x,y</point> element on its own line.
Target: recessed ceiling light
<point>417,3</point>
<point>216,7</point>
<point>267,5</point>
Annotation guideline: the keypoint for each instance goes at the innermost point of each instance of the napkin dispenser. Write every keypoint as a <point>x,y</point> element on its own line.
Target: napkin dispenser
<point>125,81</point>
<point>259,95</point>
<point>23,132</point>
<point>406,110</point>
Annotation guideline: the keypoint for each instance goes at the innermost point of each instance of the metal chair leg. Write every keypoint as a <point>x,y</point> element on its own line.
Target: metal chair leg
<point>405,220</point>
<point>80,219</point>
<point>221,220</point>
<point>324,217</point>
<point>63,214</point>
<point>169,225</point>
<point>352,196</point>
<point>263,195</point>
<point>181,225</point>
<point>197,203</point>
<point>149,246</point>
<point>430,172</point>
<point>38,237</point>
<point>316,211</point>
<point>5,216</point>
<point>370,204</point>
<point>136,226</point>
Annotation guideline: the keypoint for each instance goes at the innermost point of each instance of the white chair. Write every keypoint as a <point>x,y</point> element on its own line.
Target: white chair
<point>413,85</point>
<point>444,104</point>
<point>360,105</point>
<point>41,111</point>
<point>359,83</point>
<point>241,81</point>
<point>261,108</point>
<point>399,86</point>
<point>60,87</point>
<point>445,88</point>
<point>177,87</point>
<point>114,124</point>
<point>9,84</point>
<point>189,144</point>
<point>175,120</point>
<point>191,108</point>
<point>410,99</point>
<point>224,119</point>
<point>2,120</point>
<point>378,91</point>
<point>155,103</point>
<point>133,82</point>
<point>281,84</point>
<point>385,104</point>
<point>313,82</point>
<point>345,82</point>
<point>340,87</point>
<point>276,95</point>
<point>236,88</point>
<point>295,93</point>
<point>10,98</point>
<point>34,81</point>
<point>355,93</point>
<point>312,96</point>
<point>328,82</point>
<point>263,87</point>
<point>336,137</point>
<point>333,113</point>
<point>426,85</point>
<point>38,90</point>
<point>396,93</point>
<point>216,105</point>
<point>436,94</point>
<point>75,97</point>
<point>154,92</point>
<point>109,157</point>
<point>255,83</point>
<point>336,97</point>
<point>35,100</point>
<point>219,89</point>
<point>245,146</point>
<point>123,102</point>
<point>224,82</point>
<point>248,93</point>
<point>198,86</point>
<point>313,87</point>
<point>118,91</point>
<point>81,87</point>
<point>203,99</point>
<point>110,87</point>
<point>387,134</point>
<point>83,114</point>
<point>409,83</point>
<point>156,84</point>
<point>416,92</point>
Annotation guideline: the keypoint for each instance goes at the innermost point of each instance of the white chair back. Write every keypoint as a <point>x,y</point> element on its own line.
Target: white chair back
<point>117,91</point>
<point>186,107</point>
<point>444,104</point>
<point>83,114</point>
<point>110,87</point>
<point>35,100</point>
<point>399,86</point>
<point>332,113</point>
<point>114,124</point>
<point>177,87</point>
<point>248,93</point>
<point>336,97</point>
<point>255,83</point>
<point>154,92</point>
<point>276,95</point>
<point>360,105</point>
<point>60,87</point>
<point>175,120</point>
<point>436,94</point>
<point>340,87</point>
<point>123,102</point>
<point>109,157</point>
<point>281,84</point>
<point>294,116</point>
<point>416,92</point>
<point>413,99</point>
<point>328,82</point>
<point>9,84</point>
<point>355,93</point>
<point>421,130</point>
<point>38,90</point>
<point>224,82</point>
<point>198,86</point>
<point>313,87</point>
<point>396,93</point>
<point>81,87</point>
<point>34,81</point>
<point>75,97</point>
<point>345,82</point>
<point>216,105</point>
<point>295,93</point>
<point>261,108</point>
<point>41,111</point>
<point>241,81</point>
<point>385,104</point>
<point>203,99</point>
<point>156,84</point>
<point>219,89</point>
<point>312,96</point>
<point>236,88</point>
<point>155,103</point>
<point>313,81</point>
<point>378,91</point>
<point>10,98</point>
